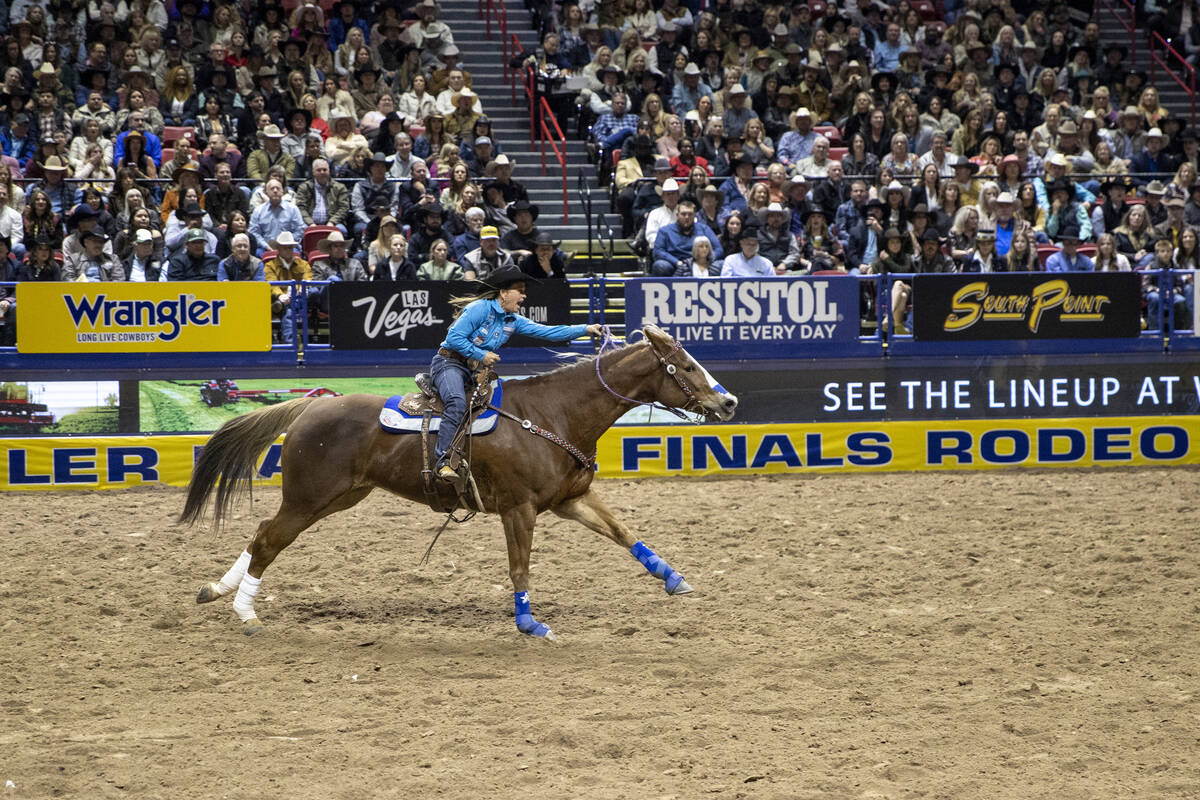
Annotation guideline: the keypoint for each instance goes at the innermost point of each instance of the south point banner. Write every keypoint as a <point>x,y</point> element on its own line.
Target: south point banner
<point>647,451</point>
<point>144,317</point>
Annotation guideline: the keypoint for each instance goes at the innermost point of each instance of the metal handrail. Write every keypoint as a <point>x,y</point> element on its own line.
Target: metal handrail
<point>1189,87</point>
<point>560,155</point>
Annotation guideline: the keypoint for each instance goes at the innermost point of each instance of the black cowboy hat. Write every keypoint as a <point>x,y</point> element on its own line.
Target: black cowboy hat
<point>85,79</point>
<point>296,40</point>
<point>1113,47</point>
<point>808,212</point>
<point>82,211</point>
<point>878,76</point>
<point>749,232</point>
<point>544,238</point>
<point>933,72</point>
<point>874,203</point>
<point>358,73</point>
<point>1077,49</point>
<point>375,158</point>
<point>734,163</point>
<point>506,276</point>
<point>931,235</point>
<point>433,209</point>
<point>1059,185</point>
<point>522,205</point>
<point>1004,65</point>
<point>967,163</point>
<point>308,117</point>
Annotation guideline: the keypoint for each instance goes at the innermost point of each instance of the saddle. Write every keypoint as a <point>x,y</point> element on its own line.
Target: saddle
<point>462,493</point>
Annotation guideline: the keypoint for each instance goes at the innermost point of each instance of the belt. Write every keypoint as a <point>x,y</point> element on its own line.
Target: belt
<point>454,355</point>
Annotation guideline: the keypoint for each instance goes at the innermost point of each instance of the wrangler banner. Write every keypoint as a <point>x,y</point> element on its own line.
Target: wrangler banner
<point>1072,305</point>
<point>144,317</point>
<point>647,451</point>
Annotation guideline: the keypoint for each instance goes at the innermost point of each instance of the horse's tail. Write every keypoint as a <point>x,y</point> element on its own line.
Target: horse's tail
<point>228,459</point>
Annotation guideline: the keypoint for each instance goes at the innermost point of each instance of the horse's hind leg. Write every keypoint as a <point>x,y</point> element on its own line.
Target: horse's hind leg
<point>589,510</point>
<point>272,537</point>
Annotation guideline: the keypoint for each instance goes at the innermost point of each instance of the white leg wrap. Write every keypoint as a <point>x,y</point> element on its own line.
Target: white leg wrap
<point>243,604</point>
<point>233,578</point>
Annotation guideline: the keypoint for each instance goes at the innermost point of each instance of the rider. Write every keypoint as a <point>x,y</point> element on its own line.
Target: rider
<point>483,324</point>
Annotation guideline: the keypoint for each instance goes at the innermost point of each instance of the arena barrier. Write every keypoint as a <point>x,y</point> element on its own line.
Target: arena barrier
<point>122,462</point>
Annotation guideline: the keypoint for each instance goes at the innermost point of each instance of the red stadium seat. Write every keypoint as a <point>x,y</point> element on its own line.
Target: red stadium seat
<point>1088,250</point>
<point>925,8</point>
<point>14,167</point>
<point>167,154</point>
<point>830,132</point>
<point>313,235</point>
<point>836,153</point>
<point>268,255</point>
<point>317,255</point>
<point>616,155</point>
<point>1044,251</point>
<point>173,133</point>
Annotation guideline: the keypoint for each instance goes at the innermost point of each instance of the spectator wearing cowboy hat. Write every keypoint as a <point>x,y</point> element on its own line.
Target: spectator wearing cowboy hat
<point>269,153</point>
<point>521,240</point>
<point>501,170</point>
<point>373,191</point>
<point>428,227</point>
<point>143,264</point>
<point>285,266</point>
<point>343,139</point>
<point>297,124</point>
<point>546,260</point>
<point>461,122</point>
<point>82,220</point>
<point>337,267</point>
<point>265,86</point>
<point>96,263</point>
<point>673,244</point>
<point>54,184</point>
<point>190,217</point>
<point>368,90</point>
<point>665,213</point>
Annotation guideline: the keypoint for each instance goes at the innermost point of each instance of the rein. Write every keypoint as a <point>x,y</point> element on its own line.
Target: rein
<point>672,370</point>
<point>550,436</point>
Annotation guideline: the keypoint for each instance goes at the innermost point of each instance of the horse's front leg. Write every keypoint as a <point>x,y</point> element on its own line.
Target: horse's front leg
<point>518,532</point>
<point>589,510</point>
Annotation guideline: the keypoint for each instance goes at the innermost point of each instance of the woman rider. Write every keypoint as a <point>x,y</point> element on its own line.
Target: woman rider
<point>483,325</point>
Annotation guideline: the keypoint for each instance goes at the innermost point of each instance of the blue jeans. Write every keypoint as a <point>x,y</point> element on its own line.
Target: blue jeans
<point>451,378</point>
<point>1181,313</point>
<point>661,268</point>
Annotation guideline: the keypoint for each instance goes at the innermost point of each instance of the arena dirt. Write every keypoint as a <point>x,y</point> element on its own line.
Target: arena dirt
<point>986,635</point>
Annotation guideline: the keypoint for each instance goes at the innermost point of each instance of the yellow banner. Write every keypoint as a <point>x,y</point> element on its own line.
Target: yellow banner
<point>116,462</point>
<point>144,317</point>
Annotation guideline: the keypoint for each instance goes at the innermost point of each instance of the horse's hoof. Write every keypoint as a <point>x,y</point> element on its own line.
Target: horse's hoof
<point>252,626</point>
<point>208,592</point>
<point>683,587</point>
<point>550,637</point>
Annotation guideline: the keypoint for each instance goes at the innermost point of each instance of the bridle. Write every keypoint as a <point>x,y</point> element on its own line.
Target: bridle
<point>692,403</point>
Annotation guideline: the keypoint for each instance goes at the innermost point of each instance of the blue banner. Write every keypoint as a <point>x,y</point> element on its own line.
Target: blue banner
<point>768,314</point>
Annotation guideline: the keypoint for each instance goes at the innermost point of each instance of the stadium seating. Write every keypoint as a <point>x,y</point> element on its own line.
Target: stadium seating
<point>1044,251</point>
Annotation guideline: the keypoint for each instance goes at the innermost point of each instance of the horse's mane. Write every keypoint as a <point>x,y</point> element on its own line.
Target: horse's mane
<point>576,364</point>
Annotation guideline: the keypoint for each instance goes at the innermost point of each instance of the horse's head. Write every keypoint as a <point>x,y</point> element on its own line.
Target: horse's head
<point>685,383</point>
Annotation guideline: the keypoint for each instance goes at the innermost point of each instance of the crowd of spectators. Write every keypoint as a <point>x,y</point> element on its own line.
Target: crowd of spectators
<point>145,140</point>
<point>791,138</point>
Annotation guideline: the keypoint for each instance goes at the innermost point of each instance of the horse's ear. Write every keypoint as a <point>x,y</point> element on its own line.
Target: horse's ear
<point>657,336</point>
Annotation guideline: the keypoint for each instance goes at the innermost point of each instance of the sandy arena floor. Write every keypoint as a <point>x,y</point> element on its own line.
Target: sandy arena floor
<point>986,635</point>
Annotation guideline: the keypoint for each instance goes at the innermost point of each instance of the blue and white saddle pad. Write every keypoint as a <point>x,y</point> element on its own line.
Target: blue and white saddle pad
<point>393,420</point>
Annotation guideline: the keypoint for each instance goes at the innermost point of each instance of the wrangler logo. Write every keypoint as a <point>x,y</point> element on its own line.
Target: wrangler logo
<point>167,316</point>
<point>974,303</point>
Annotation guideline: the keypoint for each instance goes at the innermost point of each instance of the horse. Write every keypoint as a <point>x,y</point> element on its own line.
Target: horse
<point>334,454</point>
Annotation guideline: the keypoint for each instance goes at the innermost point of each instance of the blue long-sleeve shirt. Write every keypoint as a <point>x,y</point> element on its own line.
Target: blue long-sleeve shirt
<point>671,245</point>
<point>483,327</point>
<point>153,148</point>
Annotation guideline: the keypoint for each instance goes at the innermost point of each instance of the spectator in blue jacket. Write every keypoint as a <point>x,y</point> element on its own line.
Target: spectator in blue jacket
<point>673,245</point>
<point>137,122</point>
<point>19,140</point>
<point>1069,259</point>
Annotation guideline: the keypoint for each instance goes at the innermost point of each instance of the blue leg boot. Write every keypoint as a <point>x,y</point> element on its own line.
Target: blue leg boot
<point>673,582</point>
<point>525,621</point>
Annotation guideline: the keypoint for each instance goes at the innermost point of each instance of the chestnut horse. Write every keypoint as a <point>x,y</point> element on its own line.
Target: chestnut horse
<point>335,453</point>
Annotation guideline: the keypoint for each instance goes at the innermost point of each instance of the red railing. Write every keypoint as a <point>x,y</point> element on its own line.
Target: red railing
<point>560,154</point>
<point>1122,11</point>
<point>1187,81</point>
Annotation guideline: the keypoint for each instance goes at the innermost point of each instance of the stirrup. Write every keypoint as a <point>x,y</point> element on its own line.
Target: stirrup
<point>446,473</point>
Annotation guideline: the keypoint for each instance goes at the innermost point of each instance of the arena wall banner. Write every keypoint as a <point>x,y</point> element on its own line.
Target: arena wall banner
<point>415,314</point>
<point>773,314</point>
<point>1073,305</point>
<point>144,317</point>
<point>647,451</point>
